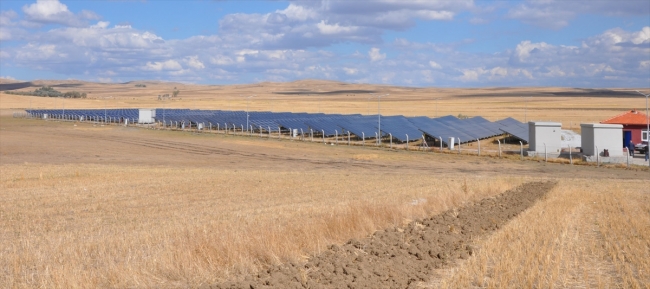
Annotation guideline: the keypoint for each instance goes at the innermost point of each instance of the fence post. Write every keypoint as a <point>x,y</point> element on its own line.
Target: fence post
<point>302,135</point>
<point>545,154</point>
<point>323,135</point>
<point>279,133</point>
<point>597,157</point>
<point>348,138</point>
<point>363,138</point>
<point>311,134</point>
<point>336,136</point>
<point>407,142</point>
<point>269,131</point>
<point>499,148</point>
<point>440,143</point>
<point>459,146</point>
<point>479,147</point>
<point>571,156</point>
<point>376,138</point>
<point>521,150</point>
<point>390,135</point>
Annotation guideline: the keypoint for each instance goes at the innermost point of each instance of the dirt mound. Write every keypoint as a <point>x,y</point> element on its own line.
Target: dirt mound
<point>400,258</point>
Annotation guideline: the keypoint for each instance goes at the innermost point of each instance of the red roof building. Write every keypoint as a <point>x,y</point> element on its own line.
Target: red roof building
<point>634,126</point>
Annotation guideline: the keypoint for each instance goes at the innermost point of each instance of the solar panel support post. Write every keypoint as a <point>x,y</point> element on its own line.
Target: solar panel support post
<point>323,135</point>
<point>348,138</point>
<point>499,148</point>
<point>521,150</point>
<point>479,147</point>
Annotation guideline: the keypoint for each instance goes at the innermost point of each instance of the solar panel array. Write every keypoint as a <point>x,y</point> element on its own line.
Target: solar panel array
<point>515,128</point>
<point>400,127</point>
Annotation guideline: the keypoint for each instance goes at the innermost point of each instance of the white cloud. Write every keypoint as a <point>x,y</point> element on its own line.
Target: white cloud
<point>434,65</point>
<point>375,55</point>
<point>556,14</point>
<point>194,62</point>
<point>350,71</point>
<point>6,17</point>
<point>325,28</point>
<point>53,11</point>
<point>44,9</point>
<point>163,65</point>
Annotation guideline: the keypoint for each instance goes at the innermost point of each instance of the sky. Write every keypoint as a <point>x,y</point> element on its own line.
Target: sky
<point>423,43</point>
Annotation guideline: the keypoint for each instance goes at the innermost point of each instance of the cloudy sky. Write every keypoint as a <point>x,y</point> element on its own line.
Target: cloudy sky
<point>459,43</point>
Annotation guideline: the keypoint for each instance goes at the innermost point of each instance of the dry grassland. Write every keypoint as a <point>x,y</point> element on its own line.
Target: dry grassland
<point>93,226</point>
<point>584,234</point>
<point>571,106</point>
<point>87,213</point>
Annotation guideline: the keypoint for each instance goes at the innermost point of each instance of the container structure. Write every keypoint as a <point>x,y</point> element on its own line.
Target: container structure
<point>604,137</point>
<point>545,137</point>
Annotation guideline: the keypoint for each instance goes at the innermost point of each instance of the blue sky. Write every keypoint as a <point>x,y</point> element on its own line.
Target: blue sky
<point>460,43</point>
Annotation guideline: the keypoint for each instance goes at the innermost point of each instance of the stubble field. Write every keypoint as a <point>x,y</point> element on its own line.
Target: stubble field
<point>86,206</point>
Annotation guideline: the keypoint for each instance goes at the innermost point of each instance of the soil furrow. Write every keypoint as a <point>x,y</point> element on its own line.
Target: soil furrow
<point>401,257</point>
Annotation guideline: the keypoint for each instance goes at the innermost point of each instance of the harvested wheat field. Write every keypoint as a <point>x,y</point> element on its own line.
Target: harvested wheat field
<point>89,206</point>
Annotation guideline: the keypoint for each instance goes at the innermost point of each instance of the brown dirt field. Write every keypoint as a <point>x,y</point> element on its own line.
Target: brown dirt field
<point>401,257</point>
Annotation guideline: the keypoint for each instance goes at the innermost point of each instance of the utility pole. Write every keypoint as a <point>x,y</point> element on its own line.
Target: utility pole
<point>379,118</point>
<point>247,114</point>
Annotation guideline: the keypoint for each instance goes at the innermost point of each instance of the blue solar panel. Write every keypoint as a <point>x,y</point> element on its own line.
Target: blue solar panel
<point>360,125</point>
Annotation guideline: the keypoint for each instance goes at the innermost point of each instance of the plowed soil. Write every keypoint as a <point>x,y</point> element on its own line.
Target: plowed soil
<point>401,257</point>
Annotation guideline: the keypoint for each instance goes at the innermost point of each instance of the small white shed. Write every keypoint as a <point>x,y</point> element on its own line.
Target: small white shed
<point>545,134</point>
<point>147,115</point>
<point>604,136</point>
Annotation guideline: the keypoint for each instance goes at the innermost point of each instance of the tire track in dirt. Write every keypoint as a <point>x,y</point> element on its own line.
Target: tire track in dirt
<point>401,257</point>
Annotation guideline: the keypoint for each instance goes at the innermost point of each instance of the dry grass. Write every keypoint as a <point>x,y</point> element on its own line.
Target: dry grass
<point>585,234</point>
<point>89,226</point>
<point>541,103</point>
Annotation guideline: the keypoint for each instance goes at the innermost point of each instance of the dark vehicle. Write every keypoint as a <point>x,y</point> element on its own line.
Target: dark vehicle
<point>640,147</point>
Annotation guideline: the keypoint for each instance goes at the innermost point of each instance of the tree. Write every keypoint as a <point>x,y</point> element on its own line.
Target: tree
<point>176,92</point>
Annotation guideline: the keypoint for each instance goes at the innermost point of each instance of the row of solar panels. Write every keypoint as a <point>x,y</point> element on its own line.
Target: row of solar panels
<point>364,126</point>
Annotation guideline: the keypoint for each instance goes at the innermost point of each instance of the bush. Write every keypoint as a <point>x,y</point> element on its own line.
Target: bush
<point>47,91</point>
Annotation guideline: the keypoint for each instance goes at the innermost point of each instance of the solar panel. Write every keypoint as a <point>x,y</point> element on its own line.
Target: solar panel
<point>515,128</point>
<point>360,125</point>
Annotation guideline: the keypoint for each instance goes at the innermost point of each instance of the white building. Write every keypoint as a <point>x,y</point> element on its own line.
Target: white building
<point>602,137</point>
<point>147,115</point>
<point>544,137</point>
